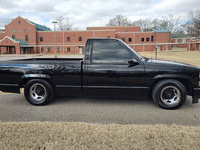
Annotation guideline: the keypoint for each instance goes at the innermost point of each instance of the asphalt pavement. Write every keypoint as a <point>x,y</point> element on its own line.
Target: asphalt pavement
<point>15,108</point>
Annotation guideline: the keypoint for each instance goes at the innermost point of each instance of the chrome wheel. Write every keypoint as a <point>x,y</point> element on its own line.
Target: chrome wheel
<point>170,96</point>
<point>38,92</point>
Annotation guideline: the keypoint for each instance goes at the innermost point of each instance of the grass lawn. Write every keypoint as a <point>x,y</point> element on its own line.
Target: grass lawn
<point>179,55</point>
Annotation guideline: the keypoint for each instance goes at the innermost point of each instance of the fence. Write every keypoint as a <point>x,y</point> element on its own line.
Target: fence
<point>157,47</point>
<point>79,49</point>
<point>178,53</point>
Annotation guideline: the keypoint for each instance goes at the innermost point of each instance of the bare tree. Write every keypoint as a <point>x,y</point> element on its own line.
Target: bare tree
<point>64,24</point>
<point>168,22</point>
<point>186,27</point>
<point>145,25</point>
<point>156,24</point>
<point>119,20</point>
<point>192,26</point>
<point>171,23</point>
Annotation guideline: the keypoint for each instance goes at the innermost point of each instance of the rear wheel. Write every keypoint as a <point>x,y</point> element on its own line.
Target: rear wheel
<point>169,94</point>
<point>39,92</point>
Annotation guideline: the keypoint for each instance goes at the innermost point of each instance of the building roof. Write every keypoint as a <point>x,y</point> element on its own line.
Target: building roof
<point>182,36</point>
<point>162,30</point>
<point>21,42</point>
<point>40,27</point>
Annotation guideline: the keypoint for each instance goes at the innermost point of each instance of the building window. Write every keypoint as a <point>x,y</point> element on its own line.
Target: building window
<point>147,39</point>
<point>183,40</point>
<point>41,39</point>
<point>26,38</point>
<point>108,36</point>
<point>151,38</point>
<point>142,39</point>
<point>13,30</point>
<point>129,39</point>
<point>68,49</point>
<point>58,49</point>
<point>80,38</point>
<point>26,30</point>
<point>123,39</point>
<point>68,38</point>
<point>42,49</point>
<point>19,30</point>
<point>49,49</point>
<point>19,22</point>
<point>13,36</point>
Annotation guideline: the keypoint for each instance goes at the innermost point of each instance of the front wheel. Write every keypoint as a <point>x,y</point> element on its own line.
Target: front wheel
<point>39,92</point>
<point>169,94</point>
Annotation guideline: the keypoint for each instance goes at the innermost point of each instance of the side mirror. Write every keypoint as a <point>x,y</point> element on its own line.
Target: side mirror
<point>133,62</point>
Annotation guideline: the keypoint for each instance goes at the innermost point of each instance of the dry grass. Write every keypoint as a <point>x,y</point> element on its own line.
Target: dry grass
<point>51,136</point>
<point>180,55</point>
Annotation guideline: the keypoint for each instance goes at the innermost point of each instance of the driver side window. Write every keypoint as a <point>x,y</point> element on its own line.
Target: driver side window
<point>108,51</point>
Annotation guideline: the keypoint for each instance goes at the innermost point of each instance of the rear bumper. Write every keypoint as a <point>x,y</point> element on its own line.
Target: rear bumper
<point>196,95</point>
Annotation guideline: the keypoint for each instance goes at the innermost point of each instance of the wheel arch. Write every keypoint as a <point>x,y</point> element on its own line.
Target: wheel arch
<point>27,77</point>
<point>185,80</point>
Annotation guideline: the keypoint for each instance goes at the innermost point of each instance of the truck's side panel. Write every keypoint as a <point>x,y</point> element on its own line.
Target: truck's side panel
<point>115,80</point>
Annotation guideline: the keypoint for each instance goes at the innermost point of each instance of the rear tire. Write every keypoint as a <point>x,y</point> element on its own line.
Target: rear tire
<point>169,94</point>
<point>39,92</point>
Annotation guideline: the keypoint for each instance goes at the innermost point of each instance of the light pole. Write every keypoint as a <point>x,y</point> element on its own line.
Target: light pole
<point>55,37</point>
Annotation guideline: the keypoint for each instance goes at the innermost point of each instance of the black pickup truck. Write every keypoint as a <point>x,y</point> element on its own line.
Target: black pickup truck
<point>110,68</point>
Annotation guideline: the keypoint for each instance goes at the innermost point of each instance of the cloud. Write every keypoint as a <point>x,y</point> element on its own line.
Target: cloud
<point>92,12</point>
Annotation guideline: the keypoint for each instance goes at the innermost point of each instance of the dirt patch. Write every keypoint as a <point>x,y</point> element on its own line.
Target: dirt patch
<point>179,55</point>
<point>49,135</point>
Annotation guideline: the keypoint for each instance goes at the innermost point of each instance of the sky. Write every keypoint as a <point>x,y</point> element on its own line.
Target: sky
<point>89,13</point>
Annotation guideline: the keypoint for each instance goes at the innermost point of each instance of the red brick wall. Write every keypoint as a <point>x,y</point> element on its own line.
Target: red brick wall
<point>163,37</point>
<point>136,38</point>
<point>24,24</point>
<point>48,39</point>
<point>118,29</point>
<point>126,36</point>
<point>61,39</point>
<point>186,44</point>
<point>2,35</point>
<point>104,34</point>
<point>8,42</point>
<point>145,35</point>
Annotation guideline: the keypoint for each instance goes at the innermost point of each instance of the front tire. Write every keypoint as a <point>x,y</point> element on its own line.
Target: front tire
<point>169,94</point>
<point>39,92</point>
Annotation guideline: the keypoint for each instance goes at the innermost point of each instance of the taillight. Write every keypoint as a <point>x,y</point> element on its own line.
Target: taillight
<point>199,79</point>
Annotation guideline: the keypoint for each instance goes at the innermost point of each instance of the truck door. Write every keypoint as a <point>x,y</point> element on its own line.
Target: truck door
<point>109,74</point>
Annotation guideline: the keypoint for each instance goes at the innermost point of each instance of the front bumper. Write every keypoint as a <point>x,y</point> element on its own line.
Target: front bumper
<point>196,95</point>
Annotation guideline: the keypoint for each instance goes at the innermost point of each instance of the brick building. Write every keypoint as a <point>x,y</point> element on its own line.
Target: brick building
<point>22,36</point>
<point>186,41</point>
